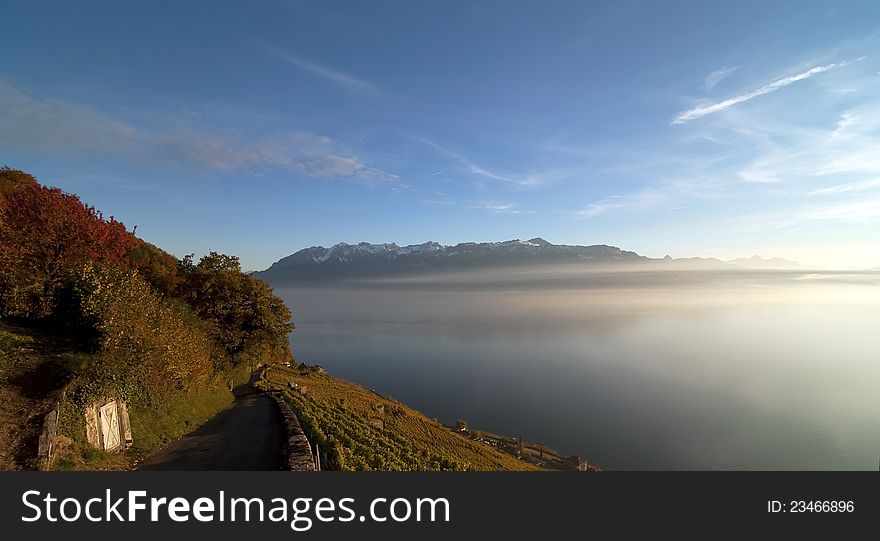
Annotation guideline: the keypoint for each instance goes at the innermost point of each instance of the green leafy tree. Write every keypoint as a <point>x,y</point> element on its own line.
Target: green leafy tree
<point>157,266</point>
<point>249,322</point>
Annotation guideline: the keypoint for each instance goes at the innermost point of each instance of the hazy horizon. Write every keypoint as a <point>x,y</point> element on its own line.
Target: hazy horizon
<point>753,371</point>
<point>693,261</point>
<point>641,367</point>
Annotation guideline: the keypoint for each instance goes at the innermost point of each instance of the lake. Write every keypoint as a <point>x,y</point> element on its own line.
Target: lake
<point>752,373</point>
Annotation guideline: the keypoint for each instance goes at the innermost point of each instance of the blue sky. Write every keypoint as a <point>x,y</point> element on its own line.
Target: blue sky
<point>686,128</point>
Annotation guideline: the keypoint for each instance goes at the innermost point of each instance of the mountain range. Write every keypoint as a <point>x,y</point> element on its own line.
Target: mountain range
<point>366,260</point>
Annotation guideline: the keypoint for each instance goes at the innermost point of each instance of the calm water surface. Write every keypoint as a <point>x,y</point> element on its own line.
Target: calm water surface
<point>732,381</point>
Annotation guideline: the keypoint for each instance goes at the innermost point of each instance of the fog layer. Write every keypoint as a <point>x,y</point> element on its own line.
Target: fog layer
<point>693,369</point>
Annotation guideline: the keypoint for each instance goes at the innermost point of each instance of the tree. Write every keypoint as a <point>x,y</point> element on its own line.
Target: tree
<point>156,266</point>
<point>12,180</point>
<point>249,322</point>
<point>43,232</point>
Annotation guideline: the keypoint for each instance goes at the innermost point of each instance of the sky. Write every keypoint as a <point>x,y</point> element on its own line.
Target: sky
<point>704,128</point>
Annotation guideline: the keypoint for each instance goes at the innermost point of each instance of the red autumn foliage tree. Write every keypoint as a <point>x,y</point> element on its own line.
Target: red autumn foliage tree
<point>43,232</point>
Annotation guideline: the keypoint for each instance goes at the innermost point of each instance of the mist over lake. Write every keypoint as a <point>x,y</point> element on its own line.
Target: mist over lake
<point>654,369</point>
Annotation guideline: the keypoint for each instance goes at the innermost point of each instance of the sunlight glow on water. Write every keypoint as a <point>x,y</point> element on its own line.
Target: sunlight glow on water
<point>787,382</point>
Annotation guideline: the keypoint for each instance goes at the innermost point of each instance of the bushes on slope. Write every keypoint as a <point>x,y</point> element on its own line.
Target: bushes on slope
<point>147,346</point>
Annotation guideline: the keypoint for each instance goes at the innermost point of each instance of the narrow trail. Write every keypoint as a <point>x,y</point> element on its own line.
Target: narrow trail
<point>248,435</point>
<point>29,389</point>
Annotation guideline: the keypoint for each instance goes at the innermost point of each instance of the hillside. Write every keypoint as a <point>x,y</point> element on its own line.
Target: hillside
<point>90,314</point>
<point>359,429</point>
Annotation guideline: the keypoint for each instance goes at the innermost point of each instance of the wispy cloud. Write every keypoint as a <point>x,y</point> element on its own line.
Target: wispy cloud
<point>532,180</point>
<point>708,109</point>
<point>851,211</point>
<point>717,76</point>
<point>859,212</point>
<point>299,152</point>
<point>335,76</point>
<point>848,187</point>
<point>482,171</point>
<point>66,129</point>
<point>58,126</point>
<point>847,121</point>
<point>497,208</point>
<point>645,199</point>
<point>757,175</point>
<point>468,164</point>
<point>493,207</point>
<point>438,198</point>
<point>432,175</point>
<point>796,153</point>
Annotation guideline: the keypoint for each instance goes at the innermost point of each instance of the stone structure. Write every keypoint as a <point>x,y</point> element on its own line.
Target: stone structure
<point>297,447</point>
<point>46,444</point>
<point>107,425</point>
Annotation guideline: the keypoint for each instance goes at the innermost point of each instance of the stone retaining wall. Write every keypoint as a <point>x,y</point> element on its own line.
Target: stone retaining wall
<point>46,443</point>
<point>297,447</point>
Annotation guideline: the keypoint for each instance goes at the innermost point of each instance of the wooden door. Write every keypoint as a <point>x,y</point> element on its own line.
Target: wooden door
<point>110,426</point>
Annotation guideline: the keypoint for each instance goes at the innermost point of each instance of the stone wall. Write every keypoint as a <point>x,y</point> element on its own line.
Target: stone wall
<point>297,447</point>
<point>46,443</point>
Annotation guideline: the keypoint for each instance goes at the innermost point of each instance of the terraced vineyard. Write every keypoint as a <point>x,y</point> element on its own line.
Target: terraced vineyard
<point>361,430</point>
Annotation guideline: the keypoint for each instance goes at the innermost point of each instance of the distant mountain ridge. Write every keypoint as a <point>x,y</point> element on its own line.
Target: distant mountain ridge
<point>758,262</point>
<point>364,260</point>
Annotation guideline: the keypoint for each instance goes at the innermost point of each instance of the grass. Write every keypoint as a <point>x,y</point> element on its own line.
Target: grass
<point>11,344</point>
<point>152,428</point>
<point>361,430</point>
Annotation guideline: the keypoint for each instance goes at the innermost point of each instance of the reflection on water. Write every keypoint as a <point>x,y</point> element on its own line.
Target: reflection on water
<point>630,379</point>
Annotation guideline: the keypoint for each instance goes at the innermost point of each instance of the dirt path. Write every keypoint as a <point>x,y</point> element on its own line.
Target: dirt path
<point>248,435</point>
<point>29,389</point>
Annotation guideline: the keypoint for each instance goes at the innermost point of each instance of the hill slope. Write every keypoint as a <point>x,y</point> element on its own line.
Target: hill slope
<point>362,430</point>
<point>89,312</point>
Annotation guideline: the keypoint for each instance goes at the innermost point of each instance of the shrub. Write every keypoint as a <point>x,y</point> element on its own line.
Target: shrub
<point>148,347</point>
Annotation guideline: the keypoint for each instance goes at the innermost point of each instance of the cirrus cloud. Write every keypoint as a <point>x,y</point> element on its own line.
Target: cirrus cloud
<point>66,129</point>
<point>710,108</point>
